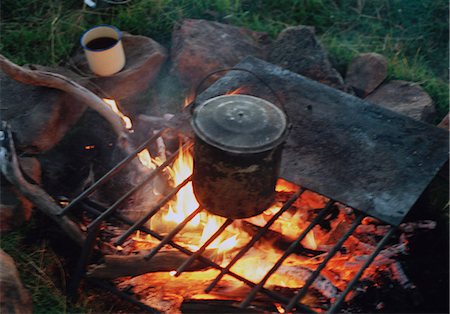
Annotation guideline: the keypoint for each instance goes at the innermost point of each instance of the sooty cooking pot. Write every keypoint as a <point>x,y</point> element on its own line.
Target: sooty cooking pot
<point>237,154</point>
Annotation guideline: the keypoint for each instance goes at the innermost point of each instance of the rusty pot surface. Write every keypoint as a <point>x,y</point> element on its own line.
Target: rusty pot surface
<point>237,154</point>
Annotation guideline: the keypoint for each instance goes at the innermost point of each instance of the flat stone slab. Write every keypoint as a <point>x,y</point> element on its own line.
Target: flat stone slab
<point>360,154</point>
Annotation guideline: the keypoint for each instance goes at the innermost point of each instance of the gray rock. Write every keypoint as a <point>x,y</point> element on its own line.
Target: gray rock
<point>200,47</point>
<point>39,116</point>
<point>144,58</point>
<point>405,97</point>
<point>366,72</point>
<point>298,50</point>
<point>14,298</point>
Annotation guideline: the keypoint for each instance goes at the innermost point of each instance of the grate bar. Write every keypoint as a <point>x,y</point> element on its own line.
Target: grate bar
<point>172,233</point>
<point>255,238</point>
<point>152,212</point>
<point>150,177</point>
<point>337,304</point>
<point>111,173</point>
<point>210,263</point>
<point>286,253</point>
<point>277,297</point>
<point>194,256</point>
<point>302,292</point>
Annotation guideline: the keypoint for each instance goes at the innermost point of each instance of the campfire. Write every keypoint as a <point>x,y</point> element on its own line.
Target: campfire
<point>281,248</point>
<point>307,252</point>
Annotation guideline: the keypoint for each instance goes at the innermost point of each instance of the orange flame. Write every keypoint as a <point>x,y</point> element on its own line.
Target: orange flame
<point>184,203</point>
<point>146,160</point>
<point>236,91</point>
<point>310,241</point>
<point>258,260</point>
<point>112,104</point>
<point>189,99</point>
<point>280,309</point>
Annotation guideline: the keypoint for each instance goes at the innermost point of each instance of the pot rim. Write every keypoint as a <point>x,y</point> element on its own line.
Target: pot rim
<point>235,150</point>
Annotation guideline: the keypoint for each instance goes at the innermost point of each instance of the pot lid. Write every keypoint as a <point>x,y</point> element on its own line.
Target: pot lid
<point>240,123</point>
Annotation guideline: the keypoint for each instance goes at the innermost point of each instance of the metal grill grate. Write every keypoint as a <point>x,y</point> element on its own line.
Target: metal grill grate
<point>101,213</point>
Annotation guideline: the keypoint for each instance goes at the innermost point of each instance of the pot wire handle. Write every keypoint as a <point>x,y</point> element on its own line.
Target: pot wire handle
<point>199,85</point>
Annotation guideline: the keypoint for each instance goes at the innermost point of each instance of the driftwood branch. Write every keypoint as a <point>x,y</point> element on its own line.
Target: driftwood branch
<point>58,81</point>
<point>10,168</point>
<point>115,266</point>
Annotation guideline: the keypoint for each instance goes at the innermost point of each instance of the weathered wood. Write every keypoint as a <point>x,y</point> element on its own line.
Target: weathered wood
<point>53,80</point>
<point>10,168</point>
<point>115,266</point>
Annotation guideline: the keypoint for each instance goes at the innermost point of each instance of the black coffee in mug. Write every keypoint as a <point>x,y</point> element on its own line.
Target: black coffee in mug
<point>101,43</point>
<point>103,49</point>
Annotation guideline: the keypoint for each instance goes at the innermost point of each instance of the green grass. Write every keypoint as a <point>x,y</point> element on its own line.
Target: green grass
<point>44,272</point>
<point>37,265</point>
<point>412,34</point>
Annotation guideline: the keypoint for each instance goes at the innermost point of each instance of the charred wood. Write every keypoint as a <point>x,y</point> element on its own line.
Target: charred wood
<point>115,266</point>
<point>279,240</point>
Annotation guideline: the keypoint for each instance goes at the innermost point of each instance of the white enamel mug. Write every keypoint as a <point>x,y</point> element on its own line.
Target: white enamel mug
<point>103,49</point>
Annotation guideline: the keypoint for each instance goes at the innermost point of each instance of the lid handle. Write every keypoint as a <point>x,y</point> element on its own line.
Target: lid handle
<point>193,104</point>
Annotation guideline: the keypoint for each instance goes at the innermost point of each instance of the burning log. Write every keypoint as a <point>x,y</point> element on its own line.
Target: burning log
<point>10,168</point>
<point>278,240</point>
<point>407,227</point>
<point>301,273</point>
<point>115,266</point>
<point>149,287</point>
<point>58,81</point>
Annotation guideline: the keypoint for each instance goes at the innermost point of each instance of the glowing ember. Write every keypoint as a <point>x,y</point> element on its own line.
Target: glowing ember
<point>280,309</point>
<point>255,264</point>
<point>310,241</point>
<point>238,90</point>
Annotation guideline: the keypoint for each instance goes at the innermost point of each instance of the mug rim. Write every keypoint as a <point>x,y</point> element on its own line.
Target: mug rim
<point>119,37</point>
